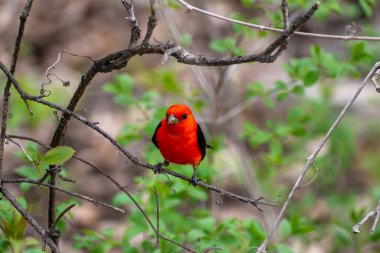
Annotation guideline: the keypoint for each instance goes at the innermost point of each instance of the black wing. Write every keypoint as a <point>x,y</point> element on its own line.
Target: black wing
<point>201,141</point>
<point>154,140</point>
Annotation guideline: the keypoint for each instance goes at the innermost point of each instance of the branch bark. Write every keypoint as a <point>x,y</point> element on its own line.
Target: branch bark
<point>23,18</point>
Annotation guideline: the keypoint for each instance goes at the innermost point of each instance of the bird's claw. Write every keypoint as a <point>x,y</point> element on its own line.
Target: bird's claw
<point>193,181</point>
<point>157,168</point>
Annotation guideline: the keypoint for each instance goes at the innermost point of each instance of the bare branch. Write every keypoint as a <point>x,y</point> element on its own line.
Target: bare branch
<point>376,213</point>
<point>157,216</point>
<point>23,17</point>
<point>311,158</point>
<point>43,233</point>
<point>74,194</point>
<point>152,23</point>
<point>190,8</point>
<point>135,30</point>
<point>285,14</point>
<point>68,208</point>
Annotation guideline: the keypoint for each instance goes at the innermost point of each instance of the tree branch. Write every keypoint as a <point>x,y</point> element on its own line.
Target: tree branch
<point>43,233</point>
<point>152,23</point>
<point>23,17</point>
<point>376,213</point>
<point>74,194</point>
<point>311,158</point>
<point>135,30</point>
<point>190,8</point>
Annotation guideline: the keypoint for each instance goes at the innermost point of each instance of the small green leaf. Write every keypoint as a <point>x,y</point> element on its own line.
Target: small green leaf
<point>186,39</point>
<point>280,85</point>
<point>285,228</point>
<point>282,248</point>
<point>255,89</point>
<point>282,95</point>
<point>298,90</point>
<point>58,155</point>
<point>366,6</point>
<point>268,102</point>
<point>121,198</point>
<point>223,45</point>
<point>311,77</point>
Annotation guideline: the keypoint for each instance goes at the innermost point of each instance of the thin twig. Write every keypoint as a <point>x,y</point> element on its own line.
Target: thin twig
<point>23,18</point>
<point>74,194</point>
<point>311,158</point>
<point>157,217</point>
<point>152,23</point>
<point>135,30</point>
<point>272,29</point>
<point>43,233</point>
<point>68,208</point>
<point>24,152</point>
<point>285,14</point>
<point>376,213</point>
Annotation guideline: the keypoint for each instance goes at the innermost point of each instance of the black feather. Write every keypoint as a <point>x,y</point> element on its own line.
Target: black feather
<point>201,141</point>
<point>154,140</point>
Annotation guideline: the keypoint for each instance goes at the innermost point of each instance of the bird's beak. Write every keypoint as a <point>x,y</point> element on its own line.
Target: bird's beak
<point>172,120</point>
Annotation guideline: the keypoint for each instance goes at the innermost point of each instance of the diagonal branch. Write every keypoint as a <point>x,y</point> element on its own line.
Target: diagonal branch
<point>43,233</point>
<point>190,8</point>
<point>74,194</point>
<point>376,213</point>
<point>311,158</point>
<point>23,17</point>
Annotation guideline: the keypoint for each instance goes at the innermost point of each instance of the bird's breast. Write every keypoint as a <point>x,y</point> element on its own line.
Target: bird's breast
<point>179,147</point>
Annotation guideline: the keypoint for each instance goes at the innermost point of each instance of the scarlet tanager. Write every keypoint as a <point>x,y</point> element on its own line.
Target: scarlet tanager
<point>180,139</point>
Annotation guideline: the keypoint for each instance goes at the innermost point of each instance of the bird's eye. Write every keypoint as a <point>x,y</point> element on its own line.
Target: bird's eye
<point>184,116</point>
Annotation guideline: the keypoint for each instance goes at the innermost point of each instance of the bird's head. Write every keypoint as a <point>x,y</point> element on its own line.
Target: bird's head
<point>178,116</point>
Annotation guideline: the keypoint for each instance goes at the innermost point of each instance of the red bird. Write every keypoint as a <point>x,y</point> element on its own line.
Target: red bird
<point>180,139</point>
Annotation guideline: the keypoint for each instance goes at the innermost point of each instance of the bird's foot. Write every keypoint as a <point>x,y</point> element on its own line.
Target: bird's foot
<point>194,181</point>
<point>158,167</point>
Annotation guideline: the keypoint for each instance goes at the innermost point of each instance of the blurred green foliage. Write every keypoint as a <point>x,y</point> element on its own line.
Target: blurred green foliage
<point>278,143</point>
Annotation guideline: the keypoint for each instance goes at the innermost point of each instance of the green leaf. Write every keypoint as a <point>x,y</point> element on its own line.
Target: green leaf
<point>282,248</point>
<point>121,198</point>
<point>247,3</point>
<point>125,82</point>
<point>128,134</point>
<point>268,102</point>
<point>282,95</point>
<point>298,90</point>
<point>186,39</point>
<point>280,85</point>
<point>255,89</point>
<point>27,172</point>
<point>58,155</point>
<point>223,45</point>
<point>360,53</point>
<point>366,7</point>
<point>131,232</point>
<point>311,77</point>
<point>285,228</point>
